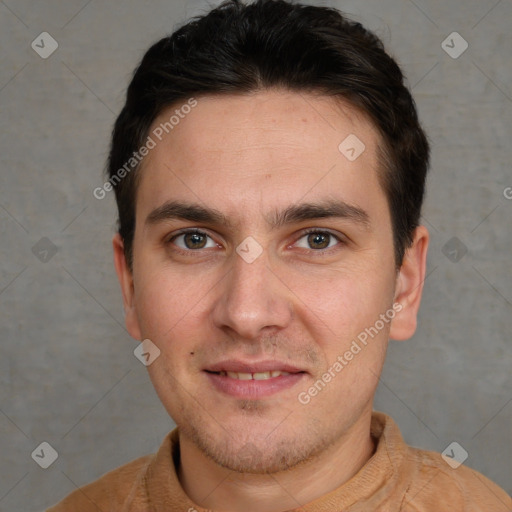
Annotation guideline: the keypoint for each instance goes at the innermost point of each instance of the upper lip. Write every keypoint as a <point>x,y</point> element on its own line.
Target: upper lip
<point>237,366</point>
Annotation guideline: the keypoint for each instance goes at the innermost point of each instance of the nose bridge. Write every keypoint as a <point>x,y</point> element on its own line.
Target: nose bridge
<point>251,298</point>
<point>252,282</point>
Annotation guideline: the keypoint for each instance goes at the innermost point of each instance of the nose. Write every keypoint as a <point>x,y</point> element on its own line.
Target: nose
<point>252,300</point>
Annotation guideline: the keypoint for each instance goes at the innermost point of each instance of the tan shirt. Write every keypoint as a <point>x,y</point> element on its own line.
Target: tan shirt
<point>396,478</point>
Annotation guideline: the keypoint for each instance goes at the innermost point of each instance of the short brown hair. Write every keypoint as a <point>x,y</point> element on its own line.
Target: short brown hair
<point>237,48</point>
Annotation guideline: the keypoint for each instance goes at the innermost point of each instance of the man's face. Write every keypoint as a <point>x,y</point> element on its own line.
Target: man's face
<point>268,283</point>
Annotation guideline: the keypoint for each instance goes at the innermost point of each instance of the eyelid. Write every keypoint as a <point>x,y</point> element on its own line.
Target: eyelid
<point>340,237</point>
<point>307,231</point>
<point>187,231</point>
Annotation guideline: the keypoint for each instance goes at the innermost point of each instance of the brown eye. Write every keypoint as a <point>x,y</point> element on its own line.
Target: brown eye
<point>319,240</point>
<point>193,240</point>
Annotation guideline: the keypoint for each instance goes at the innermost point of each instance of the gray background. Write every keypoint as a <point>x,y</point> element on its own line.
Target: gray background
<point>67,371</point>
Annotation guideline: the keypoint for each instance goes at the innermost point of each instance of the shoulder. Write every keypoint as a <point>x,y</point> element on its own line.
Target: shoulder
<point>436,485</point>
<point>118,490</point>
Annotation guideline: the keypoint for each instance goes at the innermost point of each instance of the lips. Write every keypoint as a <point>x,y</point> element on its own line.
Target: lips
<point>247,380</point>
<point>238,366</point>
<point>253,376</point>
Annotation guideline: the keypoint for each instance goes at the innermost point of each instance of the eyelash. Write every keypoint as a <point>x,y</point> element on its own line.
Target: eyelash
<point>309,231</point>
<point>306,232</point>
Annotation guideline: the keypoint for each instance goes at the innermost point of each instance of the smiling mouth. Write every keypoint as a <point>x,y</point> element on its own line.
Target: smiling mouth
<point>253,380</point>
<point>254,385</point>
<point>252,376</point>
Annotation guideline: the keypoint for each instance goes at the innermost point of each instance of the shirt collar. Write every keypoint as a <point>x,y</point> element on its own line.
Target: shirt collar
<point>374,481</point>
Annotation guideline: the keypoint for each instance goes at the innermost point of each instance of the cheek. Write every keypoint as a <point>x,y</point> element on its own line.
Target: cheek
<point>346,301</point>
<point>161,302</point>
<point>351,333</point>
<point>173,306</point>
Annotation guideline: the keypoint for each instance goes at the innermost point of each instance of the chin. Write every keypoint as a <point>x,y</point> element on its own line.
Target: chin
<point>255,449</point>
<point>253,459</point>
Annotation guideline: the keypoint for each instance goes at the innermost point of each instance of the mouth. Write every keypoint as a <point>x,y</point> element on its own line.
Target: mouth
<point>252,376</point>
<point>253,380</point>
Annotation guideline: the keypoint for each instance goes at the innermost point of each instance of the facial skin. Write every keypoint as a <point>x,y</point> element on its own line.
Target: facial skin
<point>300,303</point>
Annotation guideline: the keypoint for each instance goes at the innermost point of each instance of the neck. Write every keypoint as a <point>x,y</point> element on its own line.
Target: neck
<point>214,487</point>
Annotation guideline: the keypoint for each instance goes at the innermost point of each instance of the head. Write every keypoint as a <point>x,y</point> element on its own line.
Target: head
<point>296,241</point>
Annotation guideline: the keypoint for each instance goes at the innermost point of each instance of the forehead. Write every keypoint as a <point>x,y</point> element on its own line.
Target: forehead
<point>261,148</point>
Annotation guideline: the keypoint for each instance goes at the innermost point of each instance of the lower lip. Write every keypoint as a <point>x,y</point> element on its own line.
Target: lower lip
<point>253,389</point>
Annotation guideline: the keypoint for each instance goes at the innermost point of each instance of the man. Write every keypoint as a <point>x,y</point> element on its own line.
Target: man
<point>269,171</point>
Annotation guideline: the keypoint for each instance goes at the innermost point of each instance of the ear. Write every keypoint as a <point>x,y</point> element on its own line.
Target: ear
<point>125,277</point>
<point>409,286</point>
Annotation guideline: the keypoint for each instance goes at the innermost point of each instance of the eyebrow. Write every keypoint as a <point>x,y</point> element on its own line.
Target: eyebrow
<point>325,209</point>
<point>291,215</point>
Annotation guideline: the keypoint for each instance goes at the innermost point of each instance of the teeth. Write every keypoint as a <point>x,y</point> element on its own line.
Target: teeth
<point>253,376</point>
<point>261,376</point>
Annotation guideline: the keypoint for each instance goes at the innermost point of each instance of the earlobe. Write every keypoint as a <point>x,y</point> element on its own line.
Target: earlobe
<point>125,277</point>
<point>409,286</point>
